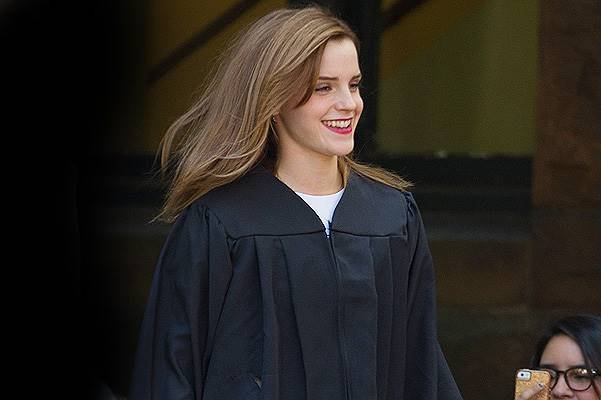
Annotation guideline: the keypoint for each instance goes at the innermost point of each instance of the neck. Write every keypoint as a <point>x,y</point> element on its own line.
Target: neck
<point>315,178</point>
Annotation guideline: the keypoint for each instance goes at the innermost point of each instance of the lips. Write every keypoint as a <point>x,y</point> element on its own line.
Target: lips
<point>340,126</point>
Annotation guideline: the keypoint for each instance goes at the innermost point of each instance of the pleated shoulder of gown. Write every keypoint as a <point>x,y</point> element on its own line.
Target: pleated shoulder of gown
<point>260,204</point>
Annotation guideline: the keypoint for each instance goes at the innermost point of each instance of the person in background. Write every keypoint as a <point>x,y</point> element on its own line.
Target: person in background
<point>570,350</point>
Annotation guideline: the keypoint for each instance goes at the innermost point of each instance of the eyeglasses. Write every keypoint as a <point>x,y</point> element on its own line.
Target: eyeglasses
<point>578,378</point>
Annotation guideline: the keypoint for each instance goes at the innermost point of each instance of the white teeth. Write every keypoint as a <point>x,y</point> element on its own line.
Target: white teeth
<point>338,123</point>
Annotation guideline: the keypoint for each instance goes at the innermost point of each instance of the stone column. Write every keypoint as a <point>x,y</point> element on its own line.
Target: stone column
<point>567,162</point>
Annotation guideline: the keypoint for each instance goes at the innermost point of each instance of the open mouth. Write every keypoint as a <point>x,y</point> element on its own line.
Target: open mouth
<point>342,126</point>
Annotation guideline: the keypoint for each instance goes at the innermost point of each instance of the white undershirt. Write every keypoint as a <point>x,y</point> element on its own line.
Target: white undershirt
<point>323,206</point>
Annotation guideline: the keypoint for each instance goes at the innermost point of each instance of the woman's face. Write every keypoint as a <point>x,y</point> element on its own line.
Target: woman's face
<point>324,126</point>
<point>562,353</point>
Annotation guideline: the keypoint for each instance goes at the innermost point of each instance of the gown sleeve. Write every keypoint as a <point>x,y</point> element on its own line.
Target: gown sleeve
<point>428,375</point>
<point>186,295</point>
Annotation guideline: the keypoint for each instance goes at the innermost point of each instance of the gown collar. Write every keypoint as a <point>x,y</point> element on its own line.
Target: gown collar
<point>349,212</point>
<point>260,204</point>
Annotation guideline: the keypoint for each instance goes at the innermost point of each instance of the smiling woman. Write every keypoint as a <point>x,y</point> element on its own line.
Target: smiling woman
<point>313,135</point>
<point>291,271</point>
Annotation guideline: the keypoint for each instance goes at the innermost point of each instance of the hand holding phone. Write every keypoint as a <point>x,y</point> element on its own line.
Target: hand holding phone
<point>531,384</point>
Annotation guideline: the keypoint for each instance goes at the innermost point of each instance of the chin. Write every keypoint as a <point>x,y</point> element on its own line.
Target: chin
<point>342,151</point>
<point>344,148</point>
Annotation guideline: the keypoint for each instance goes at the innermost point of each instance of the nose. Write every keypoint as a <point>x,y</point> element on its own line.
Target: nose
<point>345,100</point>
<point>561,389</point>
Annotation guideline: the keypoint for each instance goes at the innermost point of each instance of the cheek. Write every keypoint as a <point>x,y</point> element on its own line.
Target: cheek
<point>297,119</point>
<point>359,103</point>
<point>591,393</point>
<point>597,386</point>
<point>359,108</point>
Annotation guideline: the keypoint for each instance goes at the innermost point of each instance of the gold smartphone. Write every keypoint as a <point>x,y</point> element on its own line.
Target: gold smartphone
<point>528,378</point>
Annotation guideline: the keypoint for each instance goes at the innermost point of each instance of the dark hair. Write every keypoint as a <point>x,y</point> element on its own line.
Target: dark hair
<point>585,330</point>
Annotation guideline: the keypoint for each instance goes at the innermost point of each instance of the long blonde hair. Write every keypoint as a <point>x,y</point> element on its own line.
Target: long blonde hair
<point>228,131</point>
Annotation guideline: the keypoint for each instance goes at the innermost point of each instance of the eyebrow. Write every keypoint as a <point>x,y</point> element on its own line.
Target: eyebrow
<point>332,78</point>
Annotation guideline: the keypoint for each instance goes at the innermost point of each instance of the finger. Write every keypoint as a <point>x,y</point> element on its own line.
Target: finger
<point>529,393</point>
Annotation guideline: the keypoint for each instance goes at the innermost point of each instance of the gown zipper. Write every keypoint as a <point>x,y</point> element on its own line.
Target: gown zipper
<point>340,315</point>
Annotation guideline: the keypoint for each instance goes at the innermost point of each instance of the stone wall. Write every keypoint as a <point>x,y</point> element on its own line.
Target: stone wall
<point>496,297</point>
<point>567,162</point>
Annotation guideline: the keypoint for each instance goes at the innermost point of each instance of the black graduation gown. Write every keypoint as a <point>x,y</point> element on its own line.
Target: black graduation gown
<point>251,300</point>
